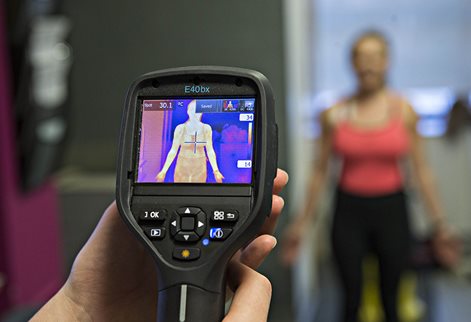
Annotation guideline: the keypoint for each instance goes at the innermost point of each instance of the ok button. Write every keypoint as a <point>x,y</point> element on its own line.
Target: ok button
<point>151,215</point>
<point>217,233</point>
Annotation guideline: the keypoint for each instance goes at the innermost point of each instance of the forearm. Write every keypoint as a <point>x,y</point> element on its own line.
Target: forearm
<point>212,160</point>
<point>314,189</point>
<point>424,176</point>
<point>170,157</point>
<point>319,174</point>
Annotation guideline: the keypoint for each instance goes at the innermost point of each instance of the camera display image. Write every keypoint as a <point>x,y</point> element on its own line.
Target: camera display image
<point>196,141</point>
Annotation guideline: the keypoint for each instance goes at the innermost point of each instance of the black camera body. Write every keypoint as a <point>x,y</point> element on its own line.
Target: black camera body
<point>195,221</point>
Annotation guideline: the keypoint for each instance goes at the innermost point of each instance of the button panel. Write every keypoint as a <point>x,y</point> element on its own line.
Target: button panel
<point>193,232</point>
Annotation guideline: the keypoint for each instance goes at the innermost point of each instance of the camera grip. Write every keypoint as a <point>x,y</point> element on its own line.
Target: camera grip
<point>188,303</point>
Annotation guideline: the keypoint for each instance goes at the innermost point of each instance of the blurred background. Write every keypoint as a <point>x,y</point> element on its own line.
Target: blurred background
<point>65,67</point>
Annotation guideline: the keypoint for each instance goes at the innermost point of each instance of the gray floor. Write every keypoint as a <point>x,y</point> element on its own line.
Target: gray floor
<point>450,299</point>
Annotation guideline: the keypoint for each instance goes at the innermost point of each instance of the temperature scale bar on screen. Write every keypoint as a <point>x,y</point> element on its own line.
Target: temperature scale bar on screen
<point>246,117</point>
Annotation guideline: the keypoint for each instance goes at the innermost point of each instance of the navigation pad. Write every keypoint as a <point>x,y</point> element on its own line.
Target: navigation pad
<point>188,224</point>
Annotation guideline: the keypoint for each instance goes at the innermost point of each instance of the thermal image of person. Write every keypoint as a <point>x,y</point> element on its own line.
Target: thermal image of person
<point>371,132</point>
<point>192,141</point>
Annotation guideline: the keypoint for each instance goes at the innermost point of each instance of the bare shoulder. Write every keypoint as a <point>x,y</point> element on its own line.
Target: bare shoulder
<point>179,129</point>
<point>407,112</point>
<point>336,113</point>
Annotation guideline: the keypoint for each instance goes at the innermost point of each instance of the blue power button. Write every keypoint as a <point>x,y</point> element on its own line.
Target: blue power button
<point>218,233</point>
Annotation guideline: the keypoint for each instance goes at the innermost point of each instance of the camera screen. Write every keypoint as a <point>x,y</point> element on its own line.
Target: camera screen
<point>196,140</point>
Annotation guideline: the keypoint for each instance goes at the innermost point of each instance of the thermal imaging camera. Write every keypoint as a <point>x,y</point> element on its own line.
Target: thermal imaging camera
<point>197,160</point>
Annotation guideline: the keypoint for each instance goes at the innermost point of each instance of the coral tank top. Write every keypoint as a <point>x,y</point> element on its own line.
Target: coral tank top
<point>371,157</point>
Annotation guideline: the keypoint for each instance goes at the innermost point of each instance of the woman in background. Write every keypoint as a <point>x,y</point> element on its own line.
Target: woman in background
<point>371,132</point>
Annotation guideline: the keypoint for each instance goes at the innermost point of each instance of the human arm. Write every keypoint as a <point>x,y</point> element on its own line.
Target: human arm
<point>114,278</point>
<point>423,174</point>
<point>211,154</point>
<point>177,141</point>
<point>447,246</point>
<point>299,225</point>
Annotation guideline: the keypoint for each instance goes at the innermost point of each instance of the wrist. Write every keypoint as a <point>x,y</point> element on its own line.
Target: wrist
<point>63,308</point>
<point>438,221</point>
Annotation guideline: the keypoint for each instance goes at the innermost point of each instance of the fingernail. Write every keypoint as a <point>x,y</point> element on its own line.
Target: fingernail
<point>282,201</point>
<point>275,241</point>
<point>287,176</point>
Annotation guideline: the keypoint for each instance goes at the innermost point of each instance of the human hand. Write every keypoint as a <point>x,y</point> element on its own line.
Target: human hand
<point>114,277</point>
<point>160,177</point>
<point>447,246</point>
<point>218,176</point>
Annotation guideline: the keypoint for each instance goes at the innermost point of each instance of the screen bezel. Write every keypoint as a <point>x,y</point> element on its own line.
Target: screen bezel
<point>137,144</point>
